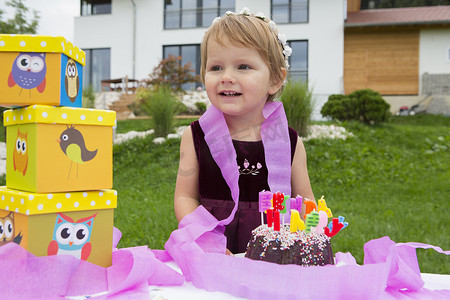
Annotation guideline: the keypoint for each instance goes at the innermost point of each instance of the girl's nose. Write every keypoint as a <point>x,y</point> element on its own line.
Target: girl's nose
<point>227,76</point>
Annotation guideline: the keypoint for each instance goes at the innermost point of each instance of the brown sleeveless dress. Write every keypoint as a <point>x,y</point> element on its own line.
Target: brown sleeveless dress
<point>215,195</point>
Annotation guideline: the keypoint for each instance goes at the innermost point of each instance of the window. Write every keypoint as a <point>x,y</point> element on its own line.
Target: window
<point>97,67</point>
<point>95,7</point>
<point>193,13</point>
<point>299,60</point>
<point>289,11</point>
<point>189,54</point>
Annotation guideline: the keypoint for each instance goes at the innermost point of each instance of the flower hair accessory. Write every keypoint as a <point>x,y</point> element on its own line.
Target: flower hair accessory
<point>282,39</point>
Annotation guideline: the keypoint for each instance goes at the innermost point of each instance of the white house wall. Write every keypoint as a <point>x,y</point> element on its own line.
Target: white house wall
<point>324,32</point>
<point>434,52</point>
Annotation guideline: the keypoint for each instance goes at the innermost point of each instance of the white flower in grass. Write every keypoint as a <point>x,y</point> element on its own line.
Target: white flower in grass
<point>215,20</point>
<point>229,13</point>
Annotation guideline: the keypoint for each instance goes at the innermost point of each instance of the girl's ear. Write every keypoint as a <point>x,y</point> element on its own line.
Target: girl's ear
<point>276,85</point>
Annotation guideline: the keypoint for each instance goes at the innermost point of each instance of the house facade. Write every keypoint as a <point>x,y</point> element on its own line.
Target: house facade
<point>130,37</point>
<point>397,51</point>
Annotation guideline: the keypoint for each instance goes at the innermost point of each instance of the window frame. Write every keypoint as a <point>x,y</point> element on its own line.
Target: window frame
<point>196,65</point>
<point>92,6</point>
<point>198,12</point>
<point>89,68</point>
<point>300,72</point>
<point>290,13</point>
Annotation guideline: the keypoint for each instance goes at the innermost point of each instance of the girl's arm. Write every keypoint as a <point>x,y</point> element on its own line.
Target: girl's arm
<point>299,175</point>
<point>186,198</point>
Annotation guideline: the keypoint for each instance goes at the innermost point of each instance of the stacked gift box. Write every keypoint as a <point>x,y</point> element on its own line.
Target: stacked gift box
<point>58,197</point>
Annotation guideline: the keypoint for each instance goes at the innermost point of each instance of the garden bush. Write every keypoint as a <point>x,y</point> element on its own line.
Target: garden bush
<point>201,107</point>
<point>298,103</point>
<point>88,97</point>
<point>161,105</point>
<point>364,105</point>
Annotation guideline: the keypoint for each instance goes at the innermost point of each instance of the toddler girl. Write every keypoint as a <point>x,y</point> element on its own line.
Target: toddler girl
<point>242,144</point>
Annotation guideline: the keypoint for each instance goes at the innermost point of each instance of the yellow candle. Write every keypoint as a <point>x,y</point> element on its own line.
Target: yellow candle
<point>323,207</point>
<point>296,222</point>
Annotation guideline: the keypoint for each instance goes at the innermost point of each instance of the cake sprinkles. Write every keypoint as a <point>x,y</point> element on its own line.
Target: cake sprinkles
<point>302,243</point>
<point>286,247</point>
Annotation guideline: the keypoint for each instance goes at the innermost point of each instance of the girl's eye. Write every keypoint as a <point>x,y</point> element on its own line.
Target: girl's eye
<point>244,67</point>
<point>215,68</point>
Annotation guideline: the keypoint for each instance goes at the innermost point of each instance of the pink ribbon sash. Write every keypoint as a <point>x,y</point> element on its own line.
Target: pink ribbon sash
<point>389,270</point>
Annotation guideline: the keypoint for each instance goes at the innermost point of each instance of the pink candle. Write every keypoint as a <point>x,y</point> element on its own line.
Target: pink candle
<point>264,200</point>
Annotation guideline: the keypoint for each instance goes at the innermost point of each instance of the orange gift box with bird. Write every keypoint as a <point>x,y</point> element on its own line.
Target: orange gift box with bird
<point>58,149</point>
<point>40,69</point>
<point>76,223</point>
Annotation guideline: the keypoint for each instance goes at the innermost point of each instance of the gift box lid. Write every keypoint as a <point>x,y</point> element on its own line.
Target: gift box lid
<point>36,204</point>
<point>59,115</point>
<point>41,43</point>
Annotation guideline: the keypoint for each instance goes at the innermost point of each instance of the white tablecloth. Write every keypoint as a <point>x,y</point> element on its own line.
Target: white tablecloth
<point>188,291</point>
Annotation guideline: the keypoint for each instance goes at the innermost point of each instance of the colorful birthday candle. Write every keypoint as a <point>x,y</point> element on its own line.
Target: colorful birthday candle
<point>336,226</point>
<point>312,220</point>
<point>323,219</point>
<point>310,206</point>
<point>278,199</point>
<point>323,207</point>
<point>296,203</point>
<point>273,218</point>
<point>296,222</point>
<point>284,204</point>
<point>264,200</point>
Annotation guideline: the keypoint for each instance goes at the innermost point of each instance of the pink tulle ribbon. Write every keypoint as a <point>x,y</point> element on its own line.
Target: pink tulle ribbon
<point>26,276</point>
<point>389,270</point>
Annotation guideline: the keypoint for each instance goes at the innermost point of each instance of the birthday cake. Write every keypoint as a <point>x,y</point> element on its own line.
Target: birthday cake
<point>286,247</point>
<point>305,243</point>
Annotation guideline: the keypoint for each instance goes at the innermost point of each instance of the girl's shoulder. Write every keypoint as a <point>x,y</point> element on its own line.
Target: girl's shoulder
<point>197,132</point>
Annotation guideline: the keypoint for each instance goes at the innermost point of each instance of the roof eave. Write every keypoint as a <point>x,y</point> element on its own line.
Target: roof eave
<point>353,25</point>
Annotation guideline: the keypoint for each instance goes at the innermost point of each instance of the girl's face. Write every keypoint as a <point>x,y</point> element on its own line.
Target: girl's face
<point>237,80</point>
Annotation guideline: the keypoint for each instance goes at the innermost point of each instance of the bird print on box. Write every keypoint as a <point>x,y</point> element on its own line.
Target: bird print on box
<point>72,81</point>
<point>70,237</point>
<point>28,72</point>
<point>20,155</point>
<point>72,144</point>
<point>7,230</point>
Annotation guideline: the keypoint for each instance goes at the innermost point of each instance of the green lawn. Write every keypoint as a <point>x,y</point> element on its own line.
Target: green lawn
<point>389,180</point>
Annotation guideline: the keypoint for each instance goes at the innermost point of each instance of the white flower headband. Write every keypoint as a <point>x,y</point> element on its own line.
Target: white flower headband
<point>282,39</point>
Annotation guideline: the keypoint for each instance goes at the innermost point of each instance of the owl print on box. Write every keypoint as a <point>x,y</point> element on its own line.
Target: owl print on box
<point>7,230</point>
<point>20,155</point>
<point>72,80</point>
<point>70,237</point>
<point>28,72</point>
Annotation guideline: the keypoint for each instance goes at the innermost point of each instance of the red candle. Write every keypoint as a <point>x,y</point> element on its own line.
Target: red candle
<point>273,218</point>
<point>269,217</point>
<point>276,223</point>
<point>278,199</point>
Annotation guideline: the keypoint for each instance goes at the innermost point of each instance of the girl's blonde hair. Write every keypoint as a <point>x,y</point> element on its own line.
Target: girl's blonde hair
<point>247,31</point>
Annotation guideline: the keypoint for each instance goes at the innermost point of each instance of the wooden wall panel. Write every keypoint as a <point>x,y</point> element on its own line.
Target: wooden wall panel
<point>387,62</point>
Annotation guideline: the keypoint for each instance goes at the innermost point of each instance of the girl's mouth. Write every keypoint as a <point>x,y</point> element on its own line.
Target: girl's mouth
<point>230,94</point>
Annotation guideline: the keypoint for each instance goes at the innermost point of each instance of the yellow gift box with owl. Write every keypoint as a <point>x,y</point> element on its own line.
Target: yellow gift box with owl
<point>40,69</point>
<point>58,149</point>
<point>76,223</point>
